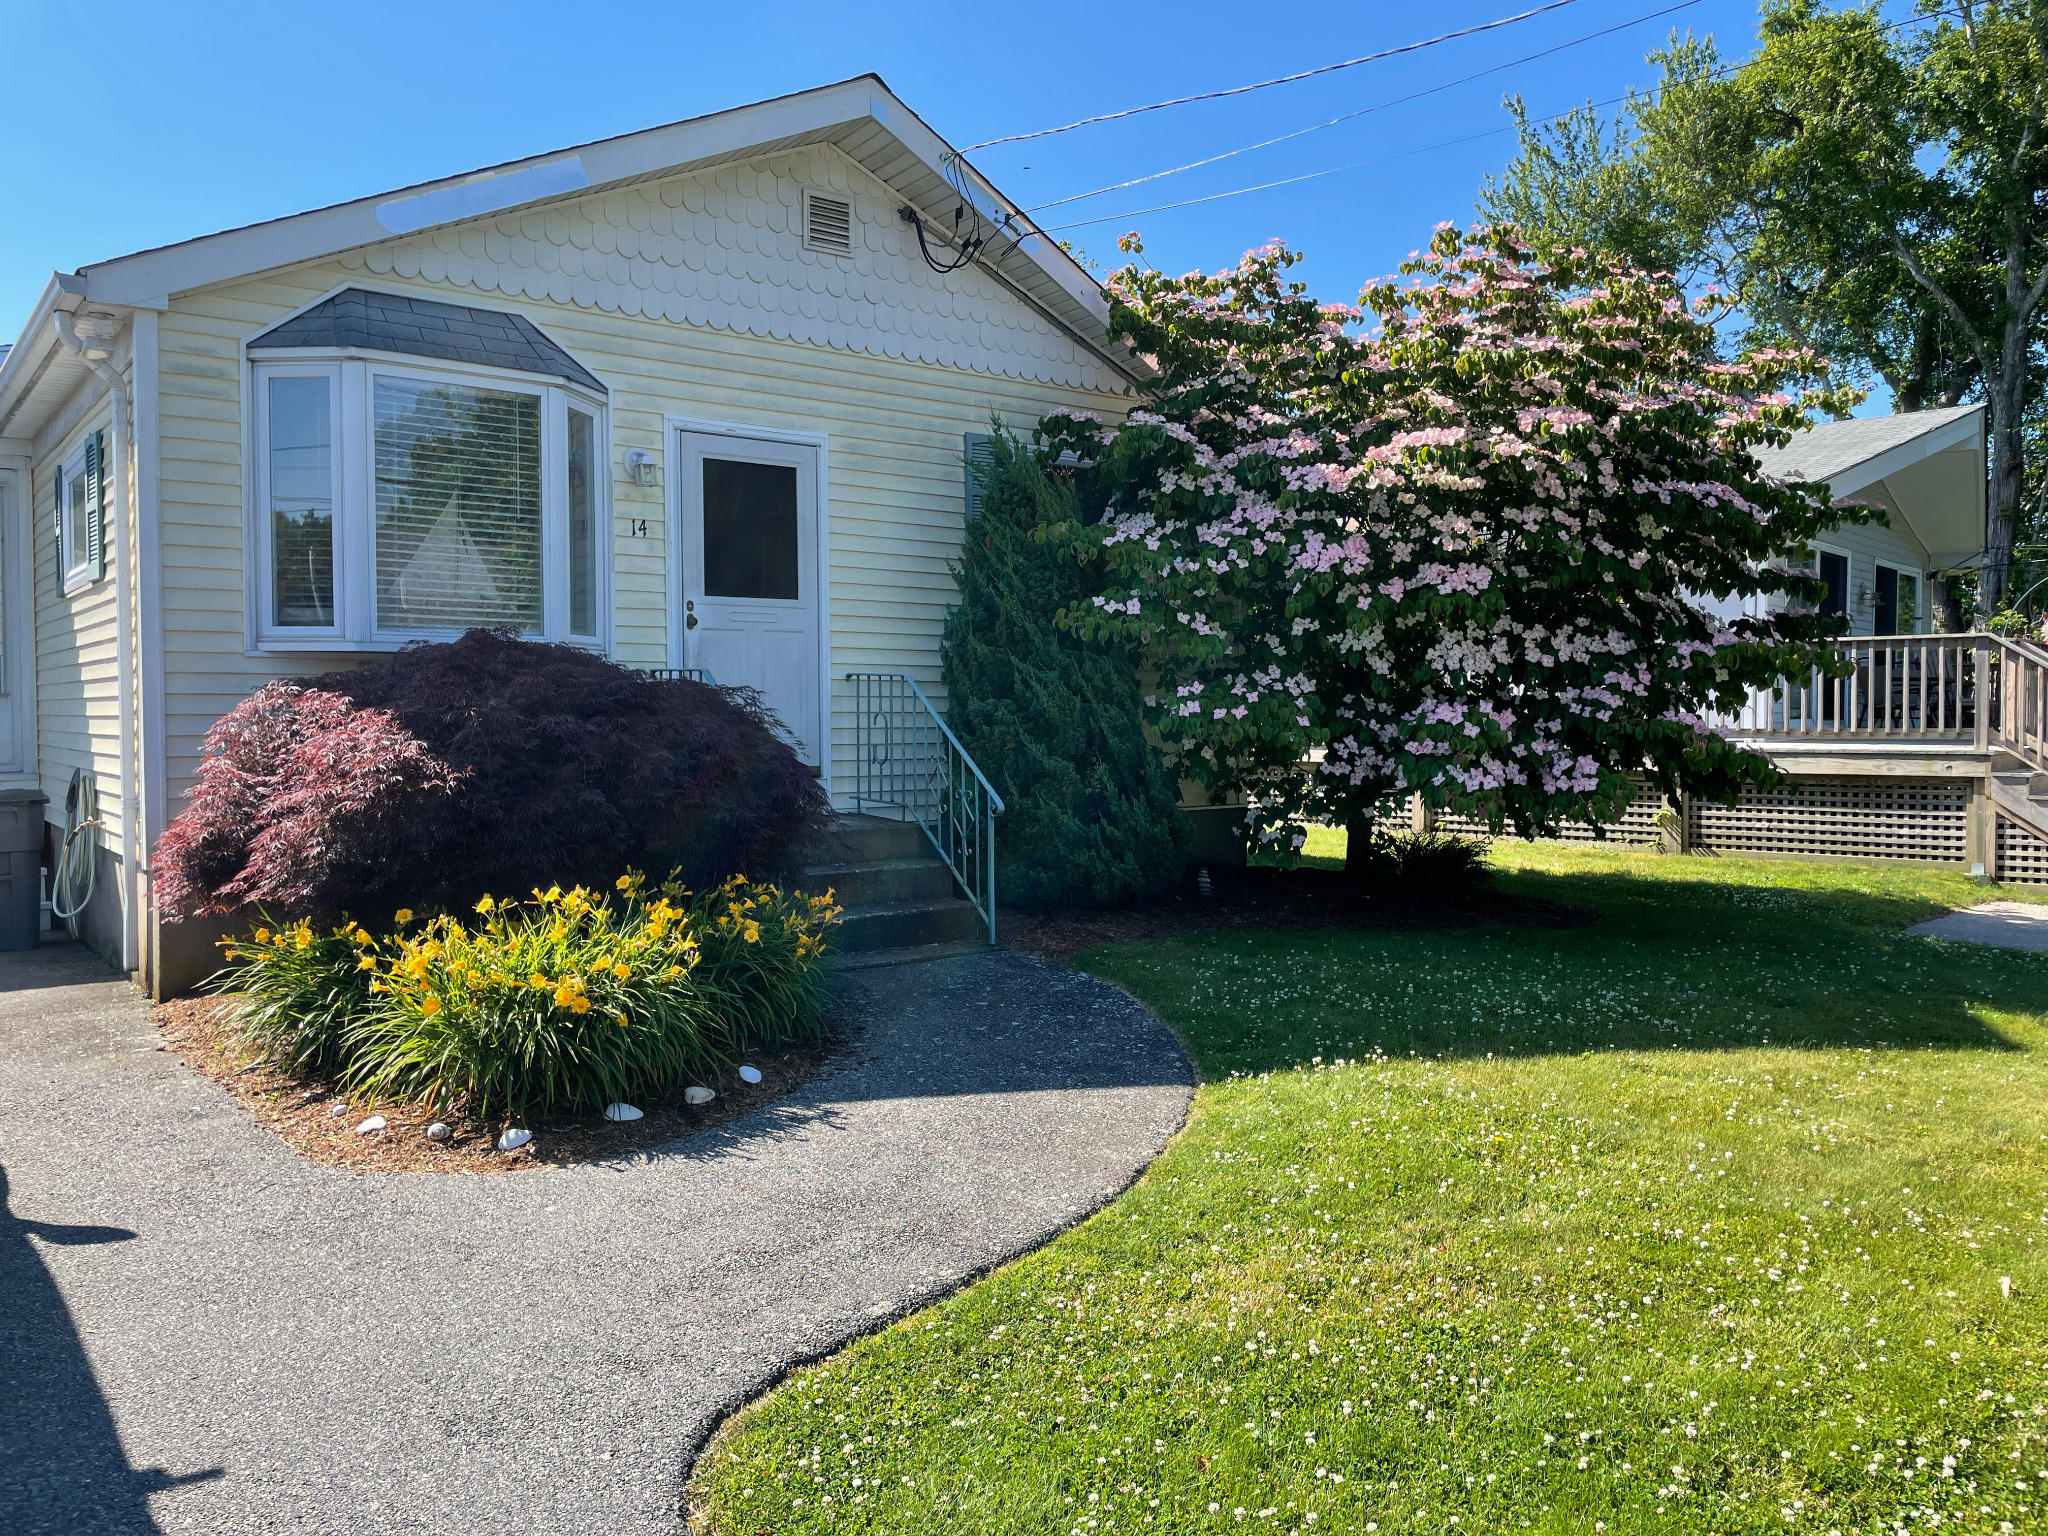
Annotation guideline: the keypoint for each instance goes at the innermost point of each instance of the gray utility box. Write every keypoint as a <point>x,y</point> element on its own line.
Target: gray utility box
<point>21,862</point>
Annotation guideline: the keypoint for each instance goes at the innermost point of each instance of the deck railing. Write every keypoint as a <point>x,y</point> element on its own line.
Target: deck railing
<point>908,763</point>
<point>1981,691</point>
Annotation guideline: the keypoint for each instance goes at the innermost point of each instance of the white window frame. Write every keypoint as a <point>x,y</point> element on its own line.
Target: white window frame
<point>353,372</point>
<point>74,575</point>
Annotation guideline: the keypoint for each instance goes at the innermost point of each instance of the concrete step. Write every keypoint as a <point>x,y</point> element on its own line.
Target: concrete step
<point>882,882</point>
<point>871,839</point>
<point>906,925</point>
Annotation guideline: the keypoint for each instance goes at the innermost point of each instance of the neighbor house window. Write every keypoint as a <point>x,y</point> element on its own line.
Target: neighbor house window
<point>399,501</point>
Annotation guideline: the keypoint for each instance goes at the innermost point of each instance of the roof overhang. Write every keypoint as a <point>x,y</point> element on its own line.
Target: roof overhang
<point>861,116</point>
<point>1934,478</point>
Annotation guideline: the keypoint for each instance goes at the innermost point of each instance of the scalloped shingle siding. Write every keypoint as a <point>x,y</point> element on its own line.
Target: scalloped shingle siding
<point>724,248</point>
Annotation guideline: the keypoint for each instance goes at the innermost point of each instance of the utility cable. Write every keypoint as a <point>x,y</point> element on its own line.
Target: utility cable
<point>1357,165</point>
<point>1306,74</point>
<point>1382,106</point>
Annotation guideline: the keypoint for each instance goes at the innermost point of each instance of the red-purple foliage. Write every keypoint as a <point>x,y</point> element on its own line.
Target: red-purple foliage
<point>559,767</point>
<point>300,792</point>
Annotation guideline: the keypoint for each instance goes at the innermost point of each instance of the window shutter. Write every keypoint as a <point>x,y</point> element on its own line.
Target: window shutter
<point>979,454</point>
<point>96,504</point>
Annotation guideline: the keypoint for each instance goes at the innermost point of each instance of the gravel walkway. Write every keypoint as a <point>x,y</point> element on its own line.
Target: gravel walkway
<point>199,1331</point>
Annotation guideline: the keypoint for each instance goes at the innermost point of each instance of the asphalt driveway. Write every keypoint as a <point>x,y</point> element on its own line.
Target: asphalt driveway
<point>200,1331</point>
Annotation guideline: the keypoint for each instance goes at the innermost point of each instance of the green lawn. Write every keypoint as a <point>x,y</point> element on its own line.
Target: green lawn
<point>1692,1219</point>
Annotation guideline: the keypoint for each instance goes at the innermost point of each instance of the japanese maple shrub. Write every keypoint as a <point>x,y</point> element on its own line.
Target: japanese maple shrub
<point>1464,554</point>
<point>447,771</point>
<point>1091,815</point>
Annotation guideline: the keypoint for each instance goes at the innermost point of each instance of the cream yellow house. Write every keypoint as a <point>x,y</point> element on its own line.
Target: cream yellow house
<point>695,397</point>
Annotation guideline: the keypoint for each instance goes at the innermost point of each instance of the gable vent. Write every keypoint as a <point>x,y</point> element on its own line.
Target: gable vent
<point>828,224</point>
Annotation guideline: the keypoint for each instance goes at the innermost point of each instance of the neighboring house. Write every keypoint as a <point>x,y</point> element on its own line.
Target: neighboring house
<point>1928,750</point>
<point>695,397</point>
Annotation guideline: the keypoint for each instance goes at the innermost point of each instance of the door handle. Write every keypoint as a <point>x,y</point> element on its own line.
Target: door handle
<point>690,621</point>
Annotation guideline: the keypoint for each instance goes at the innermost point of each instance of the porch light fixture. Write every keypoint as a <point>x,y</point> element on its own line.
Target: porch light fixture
<point>641,468</point>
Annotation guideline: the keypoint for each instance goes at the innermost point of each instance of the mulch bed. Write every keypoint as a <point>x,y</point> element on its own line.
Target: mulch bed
<point>1265,898</point>
<point>302,1114</point>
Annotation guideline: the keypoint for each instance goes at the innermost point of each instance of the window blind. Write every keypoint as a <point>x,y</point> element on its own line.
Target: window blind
<point>457,505</point>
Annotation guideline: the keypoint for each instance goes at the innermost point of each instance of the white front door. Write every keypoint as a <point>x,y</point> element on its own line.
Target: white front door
<point>750,572</point>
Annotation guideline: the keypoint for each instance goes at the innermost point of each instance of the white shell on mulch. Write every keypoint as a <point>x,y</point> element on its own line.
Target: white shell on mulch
<point>439,1131</point>
<point>698,1095</point>
<point>339,1108</point>
<point>374,1123</point>
<point>621,1112</point>
<point>750,1074</point>
<point>513,1140</point>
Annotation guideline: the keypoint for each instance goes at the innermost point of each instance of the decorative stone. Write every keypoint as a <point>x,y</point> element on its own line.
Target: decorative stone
<point>339,1108</point>
<point>750,1074</point>
<point>374,1123</point>
<point>439,1131</point>
<point>621,1112</point>
<point>514,1139</point>
<point>698,1095</point>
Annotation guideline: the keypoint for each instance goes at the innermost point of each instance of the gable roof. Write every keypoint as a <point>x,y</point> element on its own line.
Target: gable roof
<point>1929,464</point>
<point>390,322</point>
<point>861,116</point>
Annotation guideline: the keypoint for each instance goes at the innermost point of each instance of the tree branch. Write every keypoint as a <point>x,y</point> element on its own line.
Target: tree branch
<point>1955,310</point>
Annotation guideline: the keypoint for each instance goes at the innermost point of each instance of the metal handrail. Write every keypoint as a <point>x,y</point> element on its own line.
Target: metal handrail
<point>676,675</point>
<point>909,760</point>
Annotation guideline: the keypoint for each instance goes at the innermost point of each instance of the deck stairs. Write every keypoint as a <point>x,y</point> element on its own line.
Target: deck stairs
<point>897,893</point>
<point>2021,791</point>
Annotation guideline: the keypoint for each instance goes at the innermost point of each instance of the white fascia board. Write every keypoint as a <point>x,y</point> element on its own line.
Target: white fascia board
<point>148,276</point>
<point>1964,429</point>
<point>15,368</point>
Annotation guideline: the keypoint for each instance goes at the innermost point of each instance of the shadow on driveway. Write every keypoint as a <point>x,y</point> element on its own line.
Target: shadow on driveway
<point>62,1469</point>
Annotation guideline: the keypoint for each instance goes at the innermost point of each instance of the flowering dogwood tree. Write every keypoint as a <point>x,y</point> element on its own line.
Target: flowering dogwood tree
<point>1468,555</point>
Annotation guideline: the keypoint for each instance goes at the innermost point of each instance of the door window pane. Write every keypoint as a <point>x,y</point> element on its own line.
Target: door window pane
<point>1834,570</point>
<point>458,506</point>
<point>301,502</point>
<point>582,525</point>
<point>750,542</point>
<point>1909,604</point>
<point>1886,620</point>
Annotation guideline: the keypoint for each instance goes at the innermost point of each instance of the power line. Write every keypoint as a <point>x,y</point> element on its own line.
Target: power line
<point>1382,106</point>
<point>1359,165</point>
<point>1306,74</point>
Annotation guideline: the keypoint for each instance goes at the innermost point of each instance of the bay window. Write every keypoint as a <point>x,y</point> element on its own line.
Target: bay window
<point>397,501</point>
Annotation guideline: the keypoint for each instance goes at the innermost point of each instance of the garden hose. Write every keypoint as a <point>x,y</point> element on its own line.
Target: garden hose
<point>77,861</point>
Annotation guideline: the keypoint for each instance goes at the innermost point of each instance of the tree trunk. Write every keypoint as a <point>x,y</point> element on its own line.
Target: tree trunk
<point>2007,398</point>
<point>1357,844</point>
<point>1943,611</point>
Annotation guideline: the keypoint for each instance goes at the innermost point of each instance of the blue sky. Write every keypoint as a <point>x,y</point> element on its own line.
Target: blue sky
<point>164,122</point>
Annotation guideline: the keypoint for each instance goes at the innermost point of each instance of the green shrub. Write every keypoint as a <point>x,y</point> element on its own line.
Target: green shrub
<point>570,1001</point>
<point>299,990</point>
<point>1091,813</point>
<point>1429,863</point>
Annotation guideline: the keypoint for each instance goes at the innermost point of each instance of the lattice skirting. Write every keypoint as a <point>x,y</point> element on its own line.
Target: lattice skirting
<point>1926,820</point>
<point>1637,824</point>
<point>2022,856</point>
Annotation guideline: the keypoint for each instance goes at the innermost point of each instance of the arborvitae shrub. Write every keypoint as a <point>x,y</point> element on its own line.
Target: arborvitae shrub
<point>1091,814</point>
<point>487,764</point>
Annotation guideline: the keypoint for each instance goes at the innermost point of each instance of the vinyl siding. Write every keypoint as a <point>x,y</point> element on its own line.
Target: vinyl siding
<point>1870,544</point>
<point>77,683</point>
<point>894,488</point>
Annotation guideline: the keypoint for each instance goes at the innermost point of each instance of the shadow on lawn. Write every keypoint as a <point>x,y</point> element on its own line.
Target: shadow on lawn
<point>1671,960</point>
<point>62,1469</point>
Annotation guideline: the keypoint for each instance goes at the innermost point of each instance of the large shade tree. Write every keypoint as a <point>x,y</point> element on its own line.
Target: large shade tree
<point>1477,554</point>
<point>1876,189</point>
